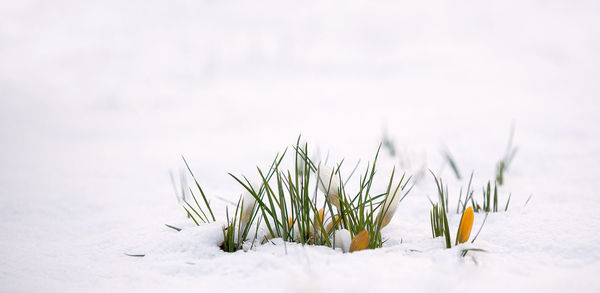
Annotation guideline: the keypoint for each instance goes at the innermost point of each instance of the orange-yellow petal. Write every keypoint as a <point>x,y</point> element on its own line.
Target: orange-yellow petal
<point>466,223</point>
<point>336,220</point>
<point>360,241</point>
<point>319,217</point>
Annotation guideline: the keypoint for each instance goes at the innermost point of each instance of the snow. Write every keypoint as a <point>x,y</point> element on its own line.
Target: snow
<point>98,100</point>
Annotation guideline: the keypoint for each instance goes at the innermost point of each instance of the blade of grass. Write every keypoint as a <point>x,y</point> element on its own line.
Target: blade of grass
<point>173,227</point>
<point>199,188</point>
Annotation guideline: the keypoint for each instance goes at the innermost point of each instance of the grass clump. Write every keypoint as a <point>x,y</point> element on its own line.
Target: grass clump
<point>360,211</point>
<point>439,213</point>
<point>288,204</point>
<point>489,200</point>
<point>366,211</point>
<point>238,227</point>
<point>439,218</point>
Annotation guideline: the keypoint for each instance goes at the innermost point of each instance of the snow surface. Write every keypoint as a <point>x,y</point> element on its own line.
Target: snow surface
<point>99,98</point>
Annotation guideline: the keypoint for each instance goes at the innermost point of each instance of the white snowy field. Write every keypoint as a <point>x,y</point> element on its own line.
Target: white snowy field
<point>98,100</point>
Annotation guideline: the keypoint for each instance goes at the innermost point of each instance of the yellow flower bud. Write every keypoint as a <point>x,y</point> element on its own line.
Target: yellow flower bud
<point>466,223</point>
<point>336,220</point>
<point>319,217</point>
<point>360,241</point>
<point>318,223</point>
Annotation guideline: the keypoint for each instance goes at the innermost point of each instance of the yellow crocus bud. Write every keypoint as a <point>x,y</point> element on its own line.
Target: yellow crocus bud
<point>466,223</point>
<point>318,222</point>
<point>336,220</point>
<point>360,241</point>
<point>293,225</point>
<point>319,216</point>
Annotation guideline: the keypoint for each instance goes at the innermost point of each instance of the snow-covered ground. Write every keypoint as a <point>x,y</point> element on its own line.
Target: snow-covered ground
<point>98,99</point>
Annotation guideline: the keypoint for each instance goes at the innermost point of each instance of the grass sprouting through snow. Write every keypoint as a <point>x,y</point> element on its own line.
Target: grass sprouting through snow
<point>439,218</point>
<point>291,210</point>
<point>442,212</point>
<point>288,204</point>
<point>239,226</point>
<point>310,204</point>
<point>437,221</point>
<point>490,203</point>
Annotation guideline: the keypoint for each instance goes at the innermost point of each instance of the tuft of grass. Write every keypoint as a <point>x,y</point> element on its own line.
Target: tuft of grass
<point>369,211</point>
<point>439,217</point>
<point>286,202</point>
<point>238,227</point>
<point>290,209</point>
<point>489,198</point>
<point>247,215</point>
<point>230,243</point>
<point>442,216</point>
